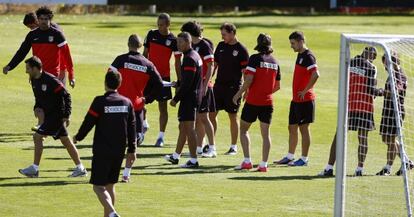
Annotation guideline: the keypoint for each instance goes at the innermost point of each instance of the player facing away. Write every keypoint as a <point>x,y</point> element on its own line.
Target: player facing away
<point>302,106</point>
<point>261,80</point>
<point>204,127</point>
<point>48,44</point>
<point>388,127</point>
<point>159,45</point>
<point>230,58</point>
<point>52,97</point>
<point>141,84</point>
<point>113,117</point>
<point>362,91</point>
<point>186,94</point>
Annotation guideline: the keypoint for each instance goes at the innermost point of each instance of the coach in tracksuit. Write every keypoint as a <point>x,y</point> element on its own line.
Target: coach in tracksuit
<point>114,120</point>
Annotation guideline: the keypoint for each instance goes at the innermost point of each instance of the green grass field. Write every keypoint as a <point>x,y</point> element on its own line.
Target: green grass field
<point>159,189</point>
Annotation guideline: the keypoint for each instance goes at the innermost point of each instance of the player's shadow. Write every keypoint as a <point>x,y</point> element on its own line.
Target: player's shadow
<point>151,155</point>
<point>200,170</point>
<point>59,147</point>
<point>166,145</point>
<point>21,177</point>
<point>278,178</point>
<point>67,158</point>
<point>46,183</point>
<point>15,137</point>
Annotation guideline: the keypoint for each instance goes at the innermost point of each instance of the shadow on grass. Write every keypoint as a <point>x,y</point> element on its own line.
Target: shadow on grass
<point>67,158</point>
<point>46,183</point>
<point>200,170</point>
<point>59,147</point>
<point>278,178</point>
<point>15,137</point>
<point>22,177</point>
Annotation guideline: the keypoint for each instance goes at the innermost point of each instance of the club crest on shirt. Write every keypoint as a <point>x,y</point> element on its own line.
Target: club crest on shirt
<point>235,53</point>
<point>300,60</point>
<point>168,42</point>
<point>50,38</point>
<point>197,49</point>
<point>44,87</point>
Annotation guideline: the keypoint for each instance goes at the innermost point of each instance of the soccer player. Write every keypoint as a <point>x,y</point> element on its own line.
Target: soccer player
<point>204,48</point>
<point>52,97</point>
<point>388,127</point>
<point>47,43</point>
<point>159,45</point>
<point>302,107</point>
<point>186,94</point>
<point>138,74</point>
<point>261,80</point>
<point>231,58</point>
<point>362,91</point>
<point>114,121</point>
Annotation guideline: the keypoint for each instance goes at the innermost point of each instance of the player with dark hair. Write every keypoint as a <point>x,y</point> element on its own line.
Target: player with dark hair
<point>159,45</point>
<point>114,121</point>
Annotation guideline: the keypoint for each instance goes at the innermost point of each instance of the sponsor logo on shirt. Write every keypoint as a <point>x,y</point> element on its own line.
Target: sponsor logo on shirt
<point>358,71</point>
<point>51,38</point>
<point>235,52</point>
<point>168,42</point>
<point>44,87</point>
<point>135,67</point>
<point>116,109</point>
<point>268,65</point>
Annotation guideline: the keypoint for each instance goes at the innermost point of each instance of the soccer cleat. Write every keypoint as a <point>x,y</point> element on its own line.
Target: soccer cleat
<point>298,163</point>
<point>261,169</point>
<point>159,143</point>
<point>384,172</point>
<point>125,179</point>
<point>326,172</point>
<point>284,161</point>
<point>190,165</point>
<point>244,166</point>
<point>231,151</point>
<point>358,173</point>
<point>205,148</point>
<point>408,166</point>
<point>30,172</point>
<point>210,154</point>
<point>79,173</point>
<point>171,159</point>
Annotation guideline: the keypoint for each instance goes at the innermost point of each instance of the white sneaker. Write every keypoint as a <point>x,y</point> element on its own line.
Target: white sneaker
<point>212,153</point>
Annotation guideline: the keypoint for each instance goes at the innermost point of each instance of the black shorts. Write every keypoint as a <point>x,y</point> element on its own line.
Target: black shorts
<point>223,95</point>
<point>361,121</point>
<point>166,93</point>
<point>139,117</point>
<point>187,110</point>
<point>105,169</point>
<point>208,103</point>
<point>302,112</point>
<point>251,112</point>
<point>388,125</point>
<point>52,126</point>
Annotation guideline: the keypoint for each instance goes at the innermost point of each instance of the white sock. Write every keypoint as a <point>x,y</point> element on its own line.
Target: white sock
<point>263,164</point>
<point>304,158</point>
<point>127,171</point>
<point>212,147</point>
<point>145,124</point>
<point>290,156</point>
<point>388,167</point>
<point>359,169</point>
<point>36,167</point>
<point>329,167</point>
<point>161,135</point>
<point>247,160</point>
<point>193,160</point>
<point>176,155</point>
<point>199,149</point>
<point>112,214</point>
<point>80,166</point>
<point>234,147</point>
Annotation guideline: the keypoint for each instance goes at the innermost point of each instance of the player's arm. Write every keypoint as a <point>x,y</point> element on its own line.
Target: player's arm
<point>186,81</point>
<point>66,102</point>
<point>20,54</point>
<point>132,133</point>
<point>65,51</point>
<point>89,121</point>
<point>277,82</point>
<point>248,80</point>
<point>209,60</point>
<point>146,44</point>
<point>312,68</point>
<point>155,86</point>
<point>244,59</point>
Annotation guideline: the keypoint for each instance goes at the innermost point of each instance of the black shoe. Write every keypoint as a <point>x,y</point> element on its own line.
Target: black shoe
<point>190,165</point>
<point>171,159</point>
<point>384,172</point>
<point>326,173</point>
<point>205,149</point>
<point>231,151</point>
<point>358,173</point>
<point>408,166</point>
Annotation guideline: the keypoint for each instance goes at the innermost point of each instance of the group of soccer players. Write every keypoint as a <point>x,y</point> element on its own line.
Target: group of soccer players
<point>134,79</point>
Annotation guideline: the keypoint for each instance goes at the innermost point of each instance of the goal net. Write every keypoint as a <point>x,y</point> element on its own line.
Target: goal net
<point>375,134</point>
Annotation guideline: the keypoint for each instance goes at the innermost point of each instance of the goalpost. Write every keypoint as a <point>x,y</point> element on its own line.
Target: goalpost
<point>375,113</point>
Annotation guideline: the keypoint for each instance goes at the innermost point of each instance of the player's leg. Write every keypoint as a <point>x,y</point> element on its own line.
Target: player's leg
<point>163,109</point>
<point>328,171</point>
<point>265,131</point>
<point>181,139</point>
<point>200,134</point>
<point>234,129</point>
<point>189,129</point>
<point>105,198</point>
<point>33,170</point>
<point>390,141</point>
<point>209,131</point>
<point>74,154</point>
<point>245,144</point>
<point>362,150</point>
<point>111,190</point>
<point>293,135</point>
<point>306,140</point>
<point>213,120</point>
